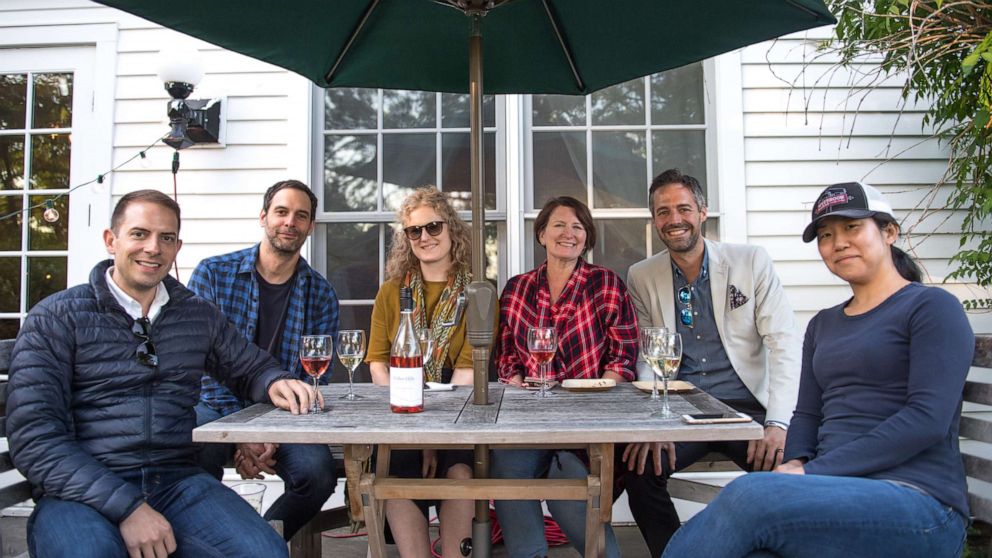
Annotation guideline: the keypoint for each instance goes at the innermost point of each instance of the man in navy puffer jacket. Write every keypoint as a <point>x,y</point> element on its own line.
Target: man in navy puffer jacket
<point>103,380</point>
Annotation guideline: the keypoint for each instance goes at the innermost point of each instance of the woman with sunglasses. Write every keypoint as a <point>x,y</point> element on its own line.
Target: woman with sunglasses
<point>871,464</point>
<point>430,254</point>
<point>592,314</point>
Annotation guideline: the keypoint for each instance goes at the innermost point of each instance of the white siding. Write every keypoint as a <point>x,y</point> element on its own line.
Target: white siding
<point>808,124</point>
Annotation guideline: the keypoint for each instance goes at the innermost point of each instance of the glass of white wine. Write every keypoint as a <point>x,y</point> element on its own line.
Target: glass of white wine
<point>670,368</point>
<point>351,350</point>
<point>653,352</point>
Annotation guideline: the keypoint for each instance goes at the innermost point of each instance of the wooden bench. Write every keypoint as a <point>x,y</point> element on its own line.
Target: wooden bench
<point>976,431</point>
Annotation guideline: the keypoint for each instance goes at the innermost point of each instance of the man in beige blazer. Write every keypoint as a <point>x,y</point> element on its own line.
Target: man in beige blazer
<point>740,344</point>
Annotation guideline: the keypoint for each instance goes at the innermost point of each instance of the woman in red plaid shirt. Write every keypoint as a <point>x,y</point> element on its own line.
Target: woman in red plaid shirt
<point>592,314</point>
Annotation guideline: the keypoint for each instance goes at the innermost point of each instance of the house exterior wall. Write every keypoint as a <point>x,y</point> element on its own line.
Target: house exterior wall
<point>801,131</point>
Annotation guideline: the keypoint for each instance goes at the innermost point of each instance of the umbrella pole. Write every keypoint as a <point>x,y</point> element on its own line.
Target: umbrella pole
<point>481,293</point>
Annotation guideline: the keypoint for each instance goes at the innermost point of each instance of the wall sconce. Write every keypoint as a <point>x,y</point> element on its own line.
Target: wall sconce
<point>192,121</point>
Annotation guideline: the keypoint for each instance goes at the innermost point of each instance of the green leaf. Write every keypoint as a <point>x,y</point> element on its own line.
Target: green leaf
<point>970,61</point>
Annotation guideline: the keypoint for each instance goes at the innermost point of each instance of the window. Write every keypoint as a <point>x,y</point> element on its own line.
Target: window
<point>605,148</point>
<point>35,152</point>
<point>376,147</point>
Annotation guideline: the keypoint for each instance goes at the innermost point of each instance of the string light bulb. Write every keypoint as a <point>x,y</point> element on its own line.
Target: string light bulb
<point>51,214</point>
<point>101,184</point>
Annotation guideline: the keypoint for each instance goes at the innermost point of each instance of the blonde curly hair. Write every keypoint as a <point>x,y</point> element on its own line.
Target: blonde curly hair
<point>401,259</point>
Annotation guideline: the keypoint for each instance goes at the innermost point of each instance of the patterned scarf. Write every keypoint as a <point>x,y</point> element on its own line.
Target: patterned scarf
<point>444,311</point>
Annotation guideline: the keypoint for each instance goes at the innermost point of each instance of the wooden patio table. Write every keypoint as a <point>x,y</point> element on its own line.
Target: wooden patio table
<point>516,418</point>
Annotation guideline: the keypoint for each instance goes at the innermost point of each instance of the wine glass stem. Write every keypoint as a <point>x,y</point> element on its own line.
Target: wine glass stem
<point>351,382</point>
<point>544,379</point>
<point>654,388</point>
<point>315,405</point>
<point>664,405</point>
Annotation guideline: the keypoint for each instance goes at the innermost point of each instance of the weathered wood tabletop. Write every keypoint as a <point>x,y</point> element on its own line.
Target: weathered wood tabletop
<point>515,416</point>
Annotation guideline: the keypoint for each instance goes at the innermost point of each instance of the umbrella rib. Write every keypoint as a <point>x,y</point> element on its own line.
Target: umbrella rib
<point>816,15</point>
<point>564,46</point>
<point>351,39</point>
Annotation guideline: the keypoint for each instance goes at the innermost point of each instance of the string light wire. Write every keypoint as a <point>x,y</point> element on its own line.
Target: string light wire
<point>49,202</point>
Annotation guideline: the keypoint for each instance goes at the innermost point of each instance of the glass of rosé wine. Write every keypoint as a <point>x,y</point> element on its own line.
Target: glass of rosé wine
<point>315,356</point>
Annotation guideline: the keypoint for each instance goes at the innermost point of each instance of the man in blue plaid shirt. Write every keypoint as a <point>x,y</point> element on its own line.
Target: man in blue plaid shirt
<point>273,297</point>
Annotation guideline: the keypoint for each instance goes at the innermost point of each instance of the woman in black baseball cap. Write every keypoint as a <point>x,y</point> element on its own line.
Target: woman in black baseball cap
<point>871,464</point>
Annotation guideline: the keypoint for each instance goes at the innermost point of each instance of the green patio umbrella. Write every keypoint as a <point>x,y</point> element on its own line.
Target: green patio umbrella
<point>571,47</point>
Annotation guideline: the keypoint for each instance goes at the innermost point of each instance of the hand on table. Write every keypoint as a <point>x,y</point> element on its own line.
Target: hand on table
<point>636,455</point>
<point>293,395</point>
<point>251,460</point>
<point>791,467</point>
<point>766,453</point>
<point>516,381</point>
<point>147,534</point>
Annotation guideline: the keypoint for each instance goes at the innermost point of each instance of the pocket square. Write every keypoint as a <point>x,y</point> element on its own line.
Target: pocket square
<point>737,298</point>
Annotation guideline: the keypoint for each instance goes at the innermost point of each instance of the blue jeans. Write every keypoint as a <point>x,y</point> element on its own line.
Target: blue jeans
<point>208,520</point>
<point>309,472</point>
<point>774,514</point>
<point>522,521</point>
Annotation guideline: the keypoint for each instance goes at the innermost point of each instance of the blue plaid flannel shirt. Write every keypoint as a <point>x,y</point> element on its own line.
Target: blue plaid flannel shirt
<point>229,282</point>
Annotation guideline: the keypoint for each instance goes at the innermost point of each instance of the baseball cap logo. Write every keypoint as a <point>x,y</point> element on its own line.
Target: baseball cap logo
<point>830,198</point>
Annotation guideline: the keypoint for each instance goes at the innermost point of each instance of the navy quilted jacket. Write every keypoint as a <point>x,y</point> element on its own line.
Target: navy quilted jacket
<point>80,406</point>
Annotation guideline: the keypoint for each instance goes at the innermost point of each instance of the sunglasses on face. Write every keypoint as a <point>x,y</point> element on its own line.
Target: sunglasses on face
<point>146,350</point>
<point>685,298</point>
<point>433,228</point>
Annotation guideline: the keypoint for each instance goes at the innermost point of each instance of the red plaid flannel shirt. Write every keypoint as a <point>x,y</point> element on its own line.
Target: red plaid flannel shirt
<point>594,319</point>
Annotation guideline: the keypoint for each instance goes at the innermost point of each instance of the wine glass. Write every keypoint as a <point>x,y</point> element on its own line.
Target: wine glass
<point>426,341</point>
<point>351,349</point>
<point>542,342</point>
<point>653,351</point>
<point>315,356</point>
<point>670,367</point>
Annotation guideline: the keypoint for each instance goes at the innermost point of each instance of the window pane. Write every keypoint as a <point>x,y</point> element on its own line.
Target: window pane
<point>43,235</point>
<point>11,162</point>
<point>408,162</point>
<point>677,96</point>
<point>559,110</point>
<point>682,149</point>
<point>352,317</point>
<point>10,228</point>
<point>350,173</point>
<point>9,328</point>
<point>10,284</point>
<point>620,243</point>
<point>492,252</point>
<point>620,104</point>
<point>46,276</point>
<point>455,111</point>
<point>456,169</point>
<point>409,109</point>
<point>350,108</point>
<point>559,166</point>
<point>49,161</point>
<point>13,101</point>
<point>52,101</point>
<point>619,169</point>
<point>353,259</point>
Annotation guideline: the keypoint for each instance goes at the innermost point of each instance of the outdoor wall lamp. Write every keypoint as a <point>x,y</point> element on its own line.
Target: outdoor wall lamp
<point>192,121</point>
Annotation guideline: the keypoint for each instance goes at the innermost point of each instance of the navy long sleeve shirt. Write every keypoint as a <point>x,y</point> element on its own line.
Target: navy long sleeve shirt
<point>880,393</point>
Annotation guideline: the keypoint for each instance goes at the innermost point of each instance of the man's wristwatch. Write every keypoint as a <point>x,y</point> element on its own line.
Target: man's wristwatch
<point>777,424</point>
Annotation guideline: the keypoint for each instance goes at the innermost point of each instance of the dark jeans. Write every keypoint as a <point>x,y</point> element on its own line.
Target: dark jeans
<point>647,494</point>
<point>208,520</point>
<point>309,472</point>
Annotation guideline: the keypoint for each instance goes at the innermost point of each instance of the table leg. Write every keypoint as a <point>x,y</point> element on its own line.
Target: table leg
<point>374,518</point>
<point>355,457</point>
<point>599,510</point>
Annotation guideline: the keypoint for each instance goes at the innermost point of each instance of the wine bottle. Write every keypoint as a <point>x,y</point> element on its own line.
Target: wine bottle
<point>406,363</point>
